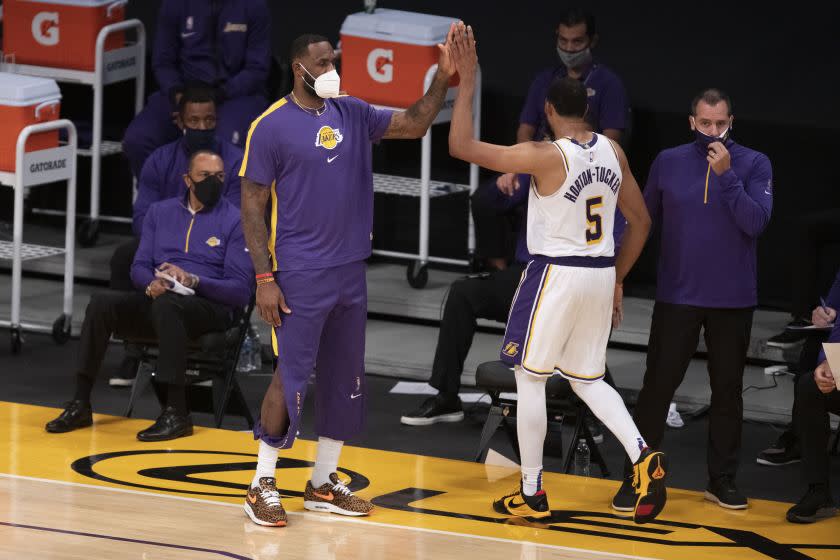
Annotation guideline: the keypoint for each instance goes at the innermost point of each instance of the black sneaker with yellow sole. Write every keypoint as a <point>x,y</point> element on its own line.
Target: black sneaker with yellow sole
<point>518,504</point>
<point>649,474</point>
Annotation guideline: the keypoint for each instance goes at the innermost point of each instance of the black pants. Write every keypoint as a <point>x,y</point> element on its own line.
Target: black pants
<point>811,418</point>
<point>469,299</point>
<point>171,319</point>
<point>121,265</point>
<point>674,334</point>
<point>808,234</point>
<point>495,229</point>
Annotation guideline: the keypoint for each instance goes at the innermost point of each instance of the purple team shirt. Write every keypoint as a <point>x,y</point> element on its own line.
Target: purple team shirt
<point>607,99</point>
<point>319,170</point>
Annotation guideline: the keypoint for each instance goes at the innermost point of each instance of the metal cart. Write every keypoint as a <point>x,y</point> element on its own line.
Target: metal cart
<point>37,168</point>
<point>417,272</point>
<point>117,65</point>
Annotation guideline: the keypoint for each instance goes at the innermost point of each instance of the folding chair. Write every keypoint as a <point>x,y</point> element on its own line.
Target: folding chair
<point>213,356</point>
<point>497,378</point>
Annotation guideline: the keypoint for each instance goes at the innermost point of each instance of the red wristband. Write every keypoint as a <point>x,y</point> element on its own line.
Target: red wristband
<point>265,275</point>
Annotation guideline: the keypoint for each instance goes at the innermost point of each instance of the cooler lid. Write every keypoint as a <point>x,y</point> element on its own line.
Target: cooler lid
<point>18,90</point>
<point>78,3</point>
<point>398,26</point>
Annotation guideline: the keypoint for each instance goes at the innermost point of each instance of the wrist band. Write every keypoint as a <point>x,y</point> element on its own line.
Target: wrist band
<point>262,281</point>
<point>265,275</point>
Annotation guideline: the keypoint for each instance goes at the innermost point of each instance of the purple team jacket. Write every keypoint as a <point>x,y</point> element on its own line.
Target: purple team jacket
<point>709,225</point>
<point>163,177</point>
<point>209,244</point>
<point>231,51</point>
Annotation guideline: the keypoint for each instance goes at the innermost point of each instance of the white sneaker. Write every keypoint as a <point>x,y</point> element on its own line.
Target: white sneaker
<point>674,419</point>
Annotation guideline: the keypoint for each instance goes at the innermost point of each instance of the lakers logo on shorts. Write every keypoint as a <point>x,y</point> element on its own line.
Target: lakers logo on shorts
<point>328,137</point>
<point>511,349</point>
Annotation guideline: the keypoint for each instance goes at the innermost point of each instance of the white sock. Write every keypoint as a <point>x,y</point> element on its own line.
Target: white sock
<point>326,462</point>
<point>266,463</point>
<point>531,427</point>
<point>606,404</point>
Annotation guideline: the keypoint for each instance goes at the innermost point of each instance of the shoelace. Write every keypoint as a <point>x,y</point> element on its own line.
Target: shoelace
<point>342,489</point>
<point>270,497</point>
<point>514,492</point>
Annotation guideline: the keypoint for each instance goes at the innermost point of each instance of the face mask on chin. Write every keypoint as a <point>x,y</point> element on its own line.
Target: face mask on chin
<point>704,140</point>
<point>576,59</point>
<point>208,191</point>
<point>325,86</point>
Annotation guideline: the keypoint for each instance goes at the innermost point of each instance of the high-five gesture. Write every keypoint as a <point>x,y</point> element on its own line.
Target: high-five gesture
<point>445,64</point>
<point>462,52</point>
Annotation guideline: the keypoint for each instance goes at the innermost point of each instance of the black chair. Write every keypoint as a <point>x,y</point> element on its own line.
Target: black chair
<point>212,357</point>
<point>497,378</point>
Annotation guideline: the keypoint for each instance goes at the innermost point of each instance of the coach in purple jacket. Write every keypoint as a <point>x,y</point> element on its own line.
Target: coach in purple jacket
<point>711,200</point>
<point>225,44</point>
<point>196,239</point>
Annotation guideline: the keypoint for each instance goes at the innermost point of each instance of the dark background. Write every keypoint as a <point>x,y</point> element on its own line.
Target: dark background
<point>777,63</point>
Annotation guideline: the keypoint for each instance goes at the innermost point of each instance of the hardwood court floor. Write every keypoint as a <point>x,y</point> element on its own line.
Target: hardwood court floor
<point>99,493</point>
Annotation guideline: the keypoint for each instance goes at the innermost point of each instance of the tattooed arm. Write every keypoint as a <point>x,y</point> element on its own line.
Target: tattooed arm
<point>254,199</point>
<point>416,120</point>
<point>270,299</point>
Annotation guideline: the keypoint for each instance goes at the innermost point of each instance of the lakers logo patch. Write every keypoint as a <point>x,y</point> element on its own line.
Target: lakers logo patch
<point>511,349</point>
<point>328,137</point>
<point>213,242</point>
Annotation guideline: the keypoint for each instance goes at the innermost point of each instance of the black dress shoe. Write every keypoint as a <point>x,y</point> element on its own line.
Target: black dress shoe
<point>169,425</point>
<point>76,414</point>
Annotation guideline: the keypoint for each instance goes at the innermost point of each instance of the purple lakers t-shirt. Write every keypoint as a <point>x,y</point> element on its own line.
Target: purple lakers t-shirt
<point>319,171</point>
<point>606,97</point>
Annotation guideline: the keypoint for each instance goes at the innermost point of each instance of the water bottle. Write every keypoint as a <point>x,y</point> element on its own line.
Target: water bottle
<point>256,350</point>
<point>246,355</point>
<point>582,458</point>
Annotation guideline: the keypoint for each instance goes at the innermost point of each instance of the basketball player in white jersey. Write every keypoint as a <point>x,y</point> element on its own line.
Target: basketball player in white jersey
<point>560,318</point>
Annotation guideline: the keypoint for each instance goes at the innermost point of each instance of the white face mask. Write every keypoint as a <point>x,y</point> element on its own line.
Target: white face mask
<point>327,85</point>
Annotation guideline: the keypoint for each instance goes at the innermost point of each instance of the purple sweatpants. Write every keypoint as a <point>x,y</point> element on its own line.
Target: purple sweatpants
<point>153,127</point>
<point>324,333</point>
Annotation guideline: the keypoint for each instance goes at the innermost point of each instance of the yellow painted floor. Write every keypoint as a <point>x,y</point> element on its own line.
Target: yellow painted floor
<point>426,507</point>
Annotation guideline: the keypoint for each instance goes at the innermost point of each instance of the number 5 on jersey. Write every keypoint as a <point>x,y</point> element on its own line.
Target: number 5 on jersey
<point>594,232</point>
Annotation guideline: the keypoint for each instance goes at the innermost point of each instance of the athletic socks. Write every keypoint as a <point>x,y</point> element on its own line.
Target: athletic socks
<point>326,461</point>
<point>606,404</point>
<point>266,463</point>
<point>531,428</point>
<point>531,480</point>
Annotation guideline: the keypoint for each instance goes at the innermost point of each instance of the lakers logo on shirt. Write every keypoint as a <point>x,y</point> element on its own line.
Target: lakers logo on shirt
<point>213,241</point>
<point>328,137</point>
<point>511,349</point>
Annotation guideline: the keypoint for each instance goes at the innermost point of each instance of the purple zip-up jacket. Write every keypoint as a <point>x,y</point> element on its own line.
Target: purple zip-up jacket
<point>163,177</point>
<point>709,224</point>
<point>208,244</point>
<point>233,53</point>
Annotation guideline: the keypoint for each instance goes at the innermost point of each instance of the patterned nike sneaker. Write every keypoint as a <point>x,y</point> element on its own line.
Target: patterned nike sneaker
<point>262,504</point>
<point>518,504</point>
<point>335,497</point>
<point>649,484</point>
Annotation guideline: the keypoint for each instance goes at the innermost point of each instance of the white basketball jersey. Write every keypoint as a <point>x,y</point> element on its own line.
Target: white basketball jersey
<point>577,220</point>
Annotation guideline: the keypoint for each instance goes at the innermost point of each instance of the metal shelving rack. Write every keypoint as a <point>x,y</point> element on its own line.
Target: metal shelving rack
<point>117,65</point>
<point>426,189</point>
<point>31,169</point>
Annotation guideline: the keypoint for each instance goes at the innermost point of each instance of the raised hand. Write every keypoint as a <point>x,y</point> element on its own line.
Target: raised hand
<point>462,51</point>
<point>445,64</point>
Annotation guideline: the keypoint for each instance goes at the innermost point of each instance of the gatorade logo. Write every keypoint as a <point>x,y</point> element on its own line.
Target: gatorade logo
<point>45,28</point>
<point>380,65</point>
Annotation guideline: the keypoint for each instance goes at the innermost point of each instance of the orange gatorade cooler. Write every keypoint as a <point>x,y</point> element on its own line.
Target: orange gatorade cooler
<point>25,100</point>
<point>385,54</point>
<point>59,33</point>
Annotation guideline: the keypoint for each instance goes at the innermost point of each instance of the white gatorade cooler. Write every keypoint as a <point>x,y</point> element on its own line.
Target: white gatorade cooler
<point>59,33</point>
<point>385,54</point>
<point>26,100</point>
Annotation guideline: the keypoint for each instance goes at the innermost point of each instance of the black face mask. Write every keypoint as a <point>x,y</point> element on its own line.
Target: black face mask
<point>208,191</point>
<point>198,139</point>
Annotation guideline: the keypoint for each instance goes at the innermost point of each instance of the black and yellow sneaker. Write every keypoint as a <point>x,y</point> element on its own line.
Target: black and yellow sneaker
<point>518,504</point>
<point>649,483</point>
